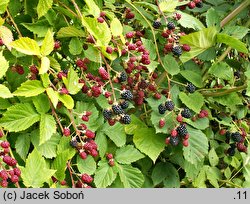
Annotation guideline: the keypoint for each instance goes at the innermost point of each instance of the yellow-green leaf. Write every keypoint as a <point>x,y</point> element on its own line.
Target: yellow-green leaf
<point>45,65</point>
<point>67,100</point>
<point>116,27</point>
<point>53,96</point>
<point>26,45</point>
<point>6,36</point>
<point>30,88</point>
<point>48,44</point>
<point>5,92</point>
<point>4,65</point>
<point>43,7</point>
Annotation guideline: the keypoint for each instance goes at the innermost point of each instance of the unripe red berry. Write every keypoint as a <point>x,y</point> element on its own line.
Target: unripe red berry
<point>1,133</point>
<point>129,15</point>
<point>222,132</point>
<point>90,134</point>
<point>5,144</point>
<point>20,69</point>
<point>4,183</point>
<point>63,182</point>
<point>94,153</point>
<point>102,14</point>
<point>161,123</point>
<point>109,50</point>
<point>100,19</point>
<point>186,47</point>
<point>83,155</point>
<point>111,122</point>
<point>66,132</point>
<point>185,143</point>
<point>13,162</point>
<point>103,73</point>
<point>4,175</point>
<point>64,91</point>
<point>167,141</point>
<point>174,133</point>
<point>17,171</point>
<point>14,178</point>
<point>191,5</point>
<point>179,118</point>
<point>1,42</point>
<point>57,45</point>
<point>111,162</point>
<point>186,136</point>
<point>157,95</point>
<point>107,94</point>
<point>85,118</point>
<point>130,35</point>
<point>86,178</point>
<point>33,69</point>
<point>109,156</point>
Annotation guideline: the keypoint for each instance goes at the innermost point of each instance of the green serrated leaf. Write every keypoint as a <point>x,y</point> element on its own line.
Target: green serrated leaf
<point>104,175</point>
<point>222,70</point>
<point>116,133</point>
<point>102,143</point>
<point>165,172</point>
<point>193,101</point>
<point>4,65</point>
<point>70,31</point>
<point>236,31</point>
<point>40,28</point>
<point>198,146</point>
<point>22,145</point>
<point>45,65</point>
<point>232,42</point>
<point>87,165</point>
<point>116,27</point>
<point>67,100</point>
<point>170,65</point>
<point>189,21</point>
<point>71,82</point>
<point>93,8</point>
<point>168,6</point>
<point>41,103</point>
<point>47,127</point>
<point>26,46</point>
<point>3,5</point>
<point>53,96</point>
<point>193,77</point>
<point>148,142</point>
<point>48,44</point>
<point>212,17</point>
<point>4,104</point>
<point>43,7</point>
<point>136,123</point>
<point>198,42</point>
<point>35,173</point>
<point>75,46</point>
<point>48,148</point>
<point>131,177</point>
<point>30,88</point>
<point>5,92</point>
<point>213,175</point>
<point>60,163</point>
<point>100,31</point>
<point>127,155</point>
<point>19,117</point>
<point>213,158</point>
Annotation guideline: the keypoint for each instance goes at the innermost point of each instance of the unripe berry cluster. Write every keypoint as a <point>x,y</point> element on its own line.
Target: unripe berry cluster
<point>9,173</point>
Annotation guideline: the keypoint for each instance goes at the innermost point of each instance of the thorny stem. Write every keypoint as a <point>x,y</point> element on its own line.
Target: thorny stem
<point>110,81</point>
<point>66,7</point>
<point>55,115</point>
<point>15,25</point>
<point>222,93</point>
<point>235,12</point>
<point>70,173</point>
<point>77,9</point>
<point>73,122</point>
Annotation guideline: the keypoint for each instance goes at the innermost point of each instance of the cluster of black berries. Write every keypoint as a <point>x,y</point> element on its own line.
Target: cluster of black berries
<point>178,134</point>
<point>237,140</point>
<point>163,107</point>
<point>9,173</point>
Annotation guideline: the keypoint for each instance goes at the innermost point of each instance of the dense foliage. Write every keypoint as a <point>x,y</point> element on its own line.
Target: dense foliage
<point>122,93</point>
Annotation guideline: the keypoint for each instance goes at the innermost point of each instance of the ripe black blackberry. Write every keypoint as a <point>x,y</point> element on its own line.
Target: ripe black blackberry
<point>182,130</point>
<point>190,88</point>
<point>186,113</point>
<point>73,143</point>
<point>124,104</point>
<point>169,105</point>
<point>156,24</point>
<point>171,25</point>
<point>177,51</point>
<point>122,77</point>
<point>126,119</point>
<point>107,114</point>
<point>231,150</point>
<point>162,108</point>
<point>117,109</point>
<point>236,137</point>
<point>127,95</point>
<point>174,141</point>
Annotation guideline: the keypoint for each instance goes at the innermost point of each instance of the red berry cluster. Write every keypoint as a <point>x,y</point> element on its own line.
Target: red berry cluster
<point>192,4</point>
<point>8,170</point>
<point>110,158</point>
<point>1,42</point>
<point>83,141</point>
<point>18,68</point>
<point>85,181</point>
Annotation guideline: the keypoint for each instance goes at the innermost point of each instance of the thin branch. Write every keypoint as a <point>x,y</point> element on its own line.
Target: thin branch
<point>15,25</point>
